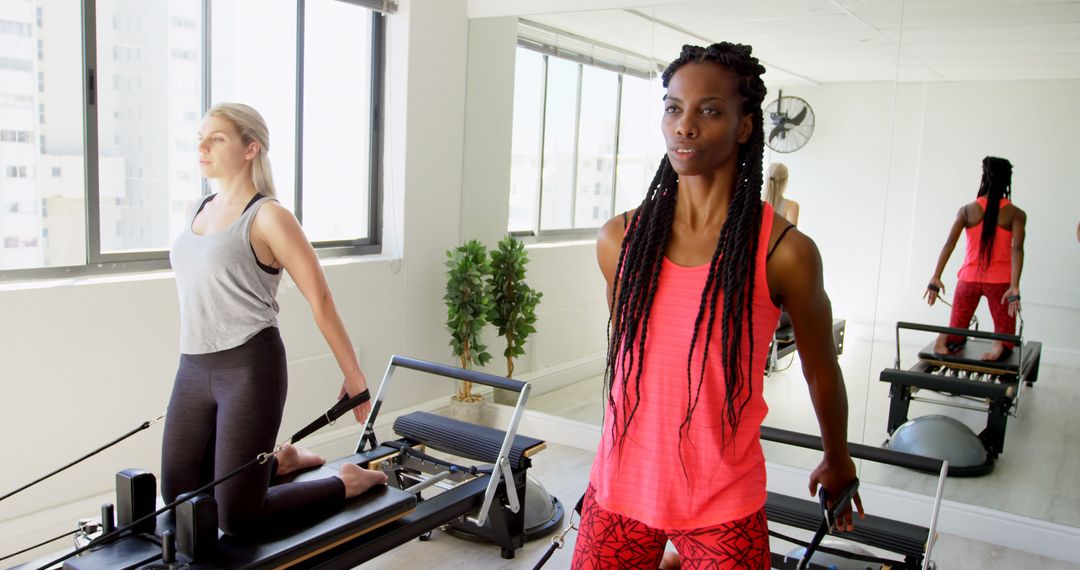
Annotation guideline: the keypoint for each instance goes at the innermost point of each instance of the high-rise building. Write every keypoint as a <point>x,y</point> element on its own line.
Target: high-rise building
<point>148,94</point>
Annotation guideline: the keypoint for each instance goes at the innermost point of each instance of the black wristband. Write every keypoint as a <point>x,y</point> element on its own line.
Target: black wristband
<point>1012,298</point>
<point>933,288</point>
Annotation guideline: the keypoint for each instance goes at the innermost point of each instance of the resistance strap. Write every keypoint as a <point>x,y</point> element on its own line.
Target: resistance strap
<point>828,517</point>
<point>559,540</point>
<point>329,416</point>
<point>141,427</point>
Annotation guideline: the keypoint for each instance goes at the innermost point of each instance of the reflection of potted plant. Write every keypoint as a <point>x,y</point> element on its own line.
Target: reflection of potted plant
<point>513,302</point>
<point>468,303</point>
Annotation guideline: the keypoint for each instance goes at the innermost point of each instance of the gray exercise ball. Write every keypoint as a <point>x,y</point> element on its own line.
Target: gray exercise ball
<point>543,515</point>
<point>940,437</point>
<point>832,561</point>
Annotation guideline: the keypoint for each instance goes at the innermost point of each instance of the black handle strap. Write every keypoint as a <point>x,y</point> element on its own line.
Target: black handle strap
<point>339,409</point>
<point>557,542</point>
<point>829,514</point>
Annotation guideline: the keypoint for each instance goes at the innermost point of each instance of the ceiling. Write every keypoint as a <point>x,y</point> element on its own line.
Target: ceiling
<point>826,41</point>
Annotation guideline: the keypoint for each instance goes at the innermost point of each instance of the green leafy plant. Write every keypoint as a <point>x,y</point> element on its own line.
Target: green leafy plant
<point>513,307</point>
<point>468,304</point>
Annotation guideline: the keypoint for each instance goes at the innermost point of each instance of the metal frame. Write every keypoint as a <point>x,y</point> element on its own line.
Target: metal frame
<point>1021,373</point>
<point>501,470</point>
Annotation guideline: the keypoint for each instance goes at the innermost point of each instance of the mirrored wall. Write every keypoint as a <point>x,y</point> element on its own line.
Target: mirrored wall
<point>908,97</point>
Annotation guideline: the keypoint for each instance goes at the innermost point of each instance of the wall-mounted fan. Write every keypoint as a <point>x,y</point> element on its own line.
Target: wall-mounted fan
<point>789,122</point>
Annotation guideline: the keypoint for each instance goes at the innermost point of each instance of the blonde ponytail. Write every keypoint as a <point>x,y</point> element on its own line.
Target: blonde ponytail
<point>775,184</point>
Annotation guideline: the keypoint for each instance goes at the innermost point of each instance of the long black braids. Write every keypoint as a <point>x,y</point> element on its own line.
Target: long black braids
<point>996,184</point>
<point>731,269</point>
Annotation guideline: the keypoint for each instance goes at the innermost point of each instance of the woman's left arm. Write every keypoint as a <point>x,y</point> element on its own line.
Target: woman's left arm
<point>279,230</point>
<point>795,280</point>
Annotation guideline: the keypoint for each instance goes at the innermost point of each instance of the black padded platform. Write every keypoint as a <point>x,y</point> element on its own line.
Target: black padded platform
<point>289,545</point>
<point>902,538</point>
<point>970,355</point>
<point>463,439</point>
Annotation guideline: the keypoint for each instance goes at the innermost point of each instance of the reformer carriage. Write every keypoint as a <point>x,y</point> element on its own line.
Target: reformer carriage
<point>424,493</point>
<point>962,380</point>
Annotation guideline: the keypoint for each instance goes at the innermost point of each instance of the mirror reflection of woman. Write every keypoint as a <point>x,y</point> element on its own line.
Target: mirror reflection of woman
<point>775,186</point>
<point>994,258</point>
<point>695,277</point>
<point>229,393</point>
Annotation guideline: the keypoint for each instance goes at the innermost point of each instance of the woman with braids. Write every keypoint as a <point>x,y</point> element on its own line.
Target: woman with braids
<point>993,260</point>
<point>696,275</point>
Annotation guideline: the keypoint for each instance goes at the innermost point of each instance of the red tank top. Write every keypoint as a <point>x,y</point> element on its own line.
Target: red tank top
<point>1000,268</point>
<point>644,479</point>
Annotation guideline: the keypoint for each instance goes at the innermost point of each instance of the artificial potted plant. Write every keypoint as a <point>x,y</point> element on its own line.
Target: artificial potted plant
<point>513,302</point>
<point>468,305</point>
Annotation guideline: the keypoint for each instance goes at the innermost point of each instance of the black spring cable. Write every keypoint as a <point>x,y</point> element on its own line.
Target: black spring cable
<point>14,554</point>
<point>141,427</point>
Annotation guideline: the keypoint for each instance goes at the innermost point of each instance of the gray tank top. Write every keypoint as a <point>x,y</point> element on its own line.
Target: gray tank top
<point>225,297</point>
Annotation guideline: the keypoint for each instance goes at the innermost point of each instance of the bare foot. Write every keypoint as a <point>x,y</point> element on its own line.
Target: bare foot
<point>357,479</point>
<point>292,458</point>
<point>941,345</point>
<point>996,351</point>
<point>671,561</point>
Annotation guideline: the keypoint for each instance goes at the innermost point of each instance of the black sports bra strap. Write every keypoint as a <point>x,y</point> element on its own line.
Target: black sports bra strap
<point>254,199</point>
<point>778,240</point>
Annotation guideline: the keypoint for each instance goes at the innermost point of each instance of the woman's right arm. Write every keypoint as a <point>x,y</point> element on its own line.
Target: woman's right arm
<point>1019,224</point>
<point>608,245</point>
<point>946,252</point>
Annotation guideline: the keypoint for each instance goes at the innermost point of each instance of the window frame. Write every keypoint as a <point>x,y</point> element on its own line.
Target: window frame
<point>538,234</point>
<point>102,264</point>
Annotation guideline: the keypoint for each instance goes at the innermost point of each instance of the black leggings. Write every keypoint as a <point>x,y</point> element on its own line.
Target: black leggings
<point>225,409</point>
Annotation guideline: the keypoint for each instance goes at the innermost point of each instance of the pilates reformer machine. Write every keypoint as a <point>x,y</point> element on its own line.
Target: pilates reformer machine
<point>960,379</point>
<point>908,545</point>
<point>783,343</point>
<point>424,492</point>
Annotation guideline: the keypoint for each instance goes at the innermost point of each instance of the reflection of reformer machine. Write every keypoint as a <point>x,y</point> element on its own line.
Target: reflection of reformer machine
<point>911,543</point>
<point>783,342</point>
<point>424,492</point>
<point>968,382</point>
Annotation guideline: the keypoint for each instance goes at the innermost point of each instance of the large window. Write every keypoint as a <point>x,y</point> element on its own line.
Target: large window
<point>586,143</point>
<point>98,161</point>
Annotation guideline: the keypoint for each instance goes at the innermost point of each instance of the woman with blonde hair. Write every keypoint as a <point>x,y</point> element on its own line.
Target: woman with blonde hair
<point>774,193</point>
<point>229,393</point>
